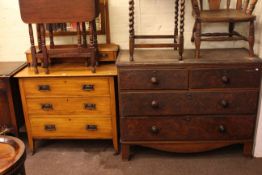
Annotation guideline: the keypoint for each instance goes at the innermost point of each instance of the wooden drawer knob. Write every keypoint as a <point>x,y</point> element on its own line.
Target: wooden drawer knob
<point>44,88</point>
<point>47,107</point>
<point>225,80</point>
<point>154,130</point>
<point>154,104</point>
<point>50,127</point>
<point>222,129</point>
<point>154,80</point>
<point>224,103</point>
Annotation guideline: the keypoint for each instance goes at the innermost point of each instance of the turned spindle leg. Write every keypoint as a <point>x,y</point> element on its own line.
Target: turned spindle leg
<point>181,36</point>
<point>39,37</point>
<point>176,23</point>
<point>92,47</point>
<point>198,39</point>
<point>44,49</point>
<point>84,34</point>
<point>251,38</point>
<point>131,29</point>
<point>51,36</point>
<point>33,49</point>
<point>79,40</point>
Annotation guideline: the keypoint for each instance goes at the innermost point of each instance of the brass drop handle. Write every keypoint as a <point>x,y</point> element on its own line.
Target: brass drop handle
<point>44,88</point>
<point>154,104</point>
<point>88,87</point>
<point>91,127</point>
<point>90,106</point>
<point>154,130</point>
<point>47,107</point>
<point>50,127</point>
<point>154,80</point>
<point>222,129</point>
<point>225,80</point>
<point>224,103</point>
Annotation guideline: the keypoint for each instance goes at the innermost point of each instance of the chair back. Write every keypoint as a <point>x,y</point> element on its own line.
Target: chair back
<point>245,5</point>
<point>58,11</point>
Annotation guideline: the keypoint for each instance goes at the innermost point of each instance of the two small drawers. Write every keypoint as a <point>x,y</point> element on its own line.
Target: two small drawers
<point>71,107</point>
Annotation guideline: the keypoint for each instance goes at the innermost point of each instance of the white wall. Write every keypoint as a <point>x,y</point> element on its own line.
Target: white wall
<point>14,35</point>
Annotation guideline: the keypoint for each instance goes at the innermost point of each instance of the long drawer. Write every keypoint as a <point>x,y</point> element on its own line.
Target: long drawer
<point>153,79</point>
<point>181,103</point>
<point>76,86</point>
<point>187,128</point>
<point>225,78</point>
<point>78,106</point>
<point>87,127</point>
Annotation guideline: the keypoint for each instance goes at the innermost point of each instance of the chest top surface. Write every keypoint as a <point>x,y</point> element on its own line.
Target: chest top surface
<point>171,58</point>
<point>7,69</point>
<point>70,70</point>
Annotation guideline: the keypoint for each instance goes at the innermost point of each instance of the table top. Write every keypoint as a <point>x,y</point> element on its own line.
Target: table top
<point>171,57</point>
<point>11,151</point>
<point>9,68</point>
<point>70,70</point>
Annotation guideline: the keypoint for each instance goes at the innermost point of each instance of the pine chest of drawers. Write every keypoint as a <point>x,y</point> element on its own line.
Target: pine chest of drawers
<point>188,106</point>
<point>69,103</point>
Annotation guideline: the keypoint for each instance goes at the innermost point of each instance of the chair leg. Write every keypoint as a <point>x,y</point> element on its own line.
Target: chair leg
<point>193,33</point>
<point>197,37</point>
<point>251,38</point>
<point>231,28</point>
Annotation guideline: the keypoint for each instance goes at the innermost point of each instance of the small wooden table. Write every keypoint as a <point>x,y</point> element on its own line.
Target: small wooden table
<point>12,156</point>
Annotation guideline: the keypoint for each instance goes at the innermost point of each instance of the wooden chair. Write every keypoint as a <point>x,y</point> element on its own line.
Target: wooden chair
<point>178,36</point>
<point>215,14</point>
<point>61,11</point>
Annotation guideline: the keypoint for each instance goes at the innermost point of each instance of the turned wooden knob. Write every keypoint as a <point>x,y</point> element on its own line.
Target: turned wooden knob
<point>225,79</point>
<point>155,104</point>
<point>154,130</point>
<point>154,80</point>
<point>224,103</point>
<point>222,129</point>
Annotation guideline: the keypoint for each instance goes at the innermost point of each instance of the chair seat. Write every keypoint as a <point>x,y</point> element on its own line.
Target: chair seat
<point>224,16</point>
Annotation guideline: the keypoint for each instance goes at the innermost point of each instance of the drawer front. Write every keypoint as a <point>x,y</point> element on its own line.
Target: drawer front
<point>225,78</point>
<point>187,128</point>
<point>48,87</point>
<point>72,127</point>
<point>153,79</point>
<point>74,106</point>
<point>180,103</point>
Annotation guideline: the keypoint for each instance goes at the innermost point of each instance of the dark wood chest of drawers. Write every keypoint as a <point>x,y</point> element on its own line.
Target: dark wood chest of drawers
<point>189,106</point>
<point>11,114</point>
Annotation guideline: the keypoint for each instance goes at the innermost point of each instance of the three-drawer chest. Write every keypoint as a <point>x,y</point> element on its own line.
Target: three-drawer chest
<point>188,106</point>
<point>69,103</point>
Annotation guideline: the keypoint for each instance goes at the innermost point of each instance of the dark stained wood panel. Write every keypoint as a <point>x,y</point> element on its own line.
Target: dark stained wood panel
<point>8,68</point>
<point>225,78</point>
<point>153,79</point>
<point>188,128</point>
<point>181,103</point>
<point>209,57</point>
<point>58,11</point>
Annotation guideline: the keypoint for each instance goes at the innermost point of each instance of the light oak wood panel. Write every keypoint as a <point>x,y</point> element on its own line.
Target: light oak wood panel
<point>50,87</point>
<point>67,106</point>
<point>71,127</point>
<point>70,70</point>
